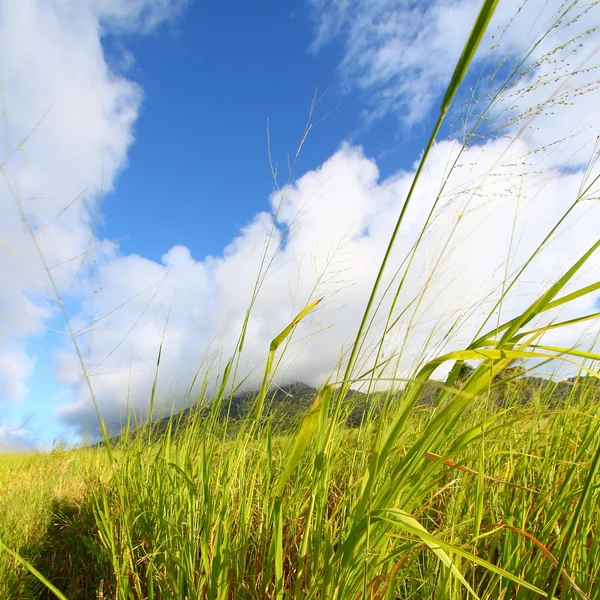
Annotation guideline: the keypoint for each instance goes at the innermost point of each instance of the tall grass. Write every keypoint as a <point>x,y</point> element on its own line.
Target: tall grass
<point>479,494</point>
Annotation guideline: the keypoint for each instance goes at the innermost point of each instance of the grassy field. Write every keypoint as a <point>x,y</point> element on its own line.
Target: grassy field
<point>194,515</point>
<point>487,490</point>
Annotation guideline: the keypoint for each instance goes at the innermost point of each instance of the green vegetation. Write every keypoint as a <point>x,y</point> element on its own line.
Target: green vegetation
<point>268,514</point>
<point>483,485</point>
<point>41,517</point>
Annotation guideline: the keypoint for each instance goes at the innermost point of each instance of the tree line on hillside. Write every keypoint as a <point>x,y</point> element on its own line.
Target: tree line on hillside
<point>285,406</point>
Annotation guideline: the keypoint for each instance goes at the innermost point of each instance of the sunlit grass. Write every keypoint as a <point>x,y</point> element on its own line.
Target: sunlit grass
<point>34,488</point>
<point>199,516</point>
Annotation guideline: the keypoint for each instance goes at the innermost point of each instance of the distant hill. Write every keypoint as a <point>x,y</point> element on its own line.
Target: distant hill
<point>287,405</point>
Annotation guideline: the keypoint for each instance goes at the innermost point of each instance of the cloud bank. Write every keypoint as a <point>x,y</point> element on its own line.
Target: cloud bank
<point>337,221</point>
<point>67,126</point>
<point>490,212</point>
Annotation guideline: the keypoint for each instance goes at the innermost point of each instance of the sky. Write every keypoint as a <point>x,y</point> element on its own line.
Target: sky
<point>138,148</point>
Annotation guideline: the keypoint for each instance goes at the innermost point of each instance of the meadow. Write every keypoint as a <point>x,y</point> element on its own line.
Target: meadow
<point>483,484</point>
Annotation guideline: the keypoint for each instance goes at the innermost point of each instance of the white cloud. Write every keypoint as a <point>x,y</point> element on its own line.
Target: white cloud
<point>52,69</point>
<point>340,218</point>
<point>554,102</point>
<point>393,49</point>
<point>15,438</point>
<point>402,54</point>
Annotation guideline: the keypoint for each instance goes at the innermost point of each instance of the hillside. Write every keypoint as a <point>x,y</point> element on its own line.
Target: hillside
<point>286,405</point>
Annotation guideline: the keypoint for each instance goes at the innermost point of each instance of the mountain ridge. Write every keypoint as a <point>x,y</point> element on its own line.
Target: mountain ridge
<point>286,405</point>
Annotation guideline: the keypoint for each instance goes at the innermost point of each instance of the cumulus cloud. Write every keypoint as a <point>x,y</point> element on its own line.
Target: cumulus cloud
<point>494,208</point>
<point>337,220</point>
<point>67,126</point>
<point>553,97</point>
<point>401,54</point>
<point>393,49</point>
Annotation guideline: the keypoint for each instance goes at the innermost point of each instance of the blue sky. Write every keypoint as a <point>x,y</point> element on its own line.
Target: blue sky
<point>210,83</point>
<point>170,100</point>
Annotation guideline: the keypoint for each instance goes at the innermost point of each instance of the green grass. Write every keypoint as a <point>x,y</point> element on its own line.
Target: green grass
<point>201,517</point>
<point>39,493</point>
<point>490,491</point>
